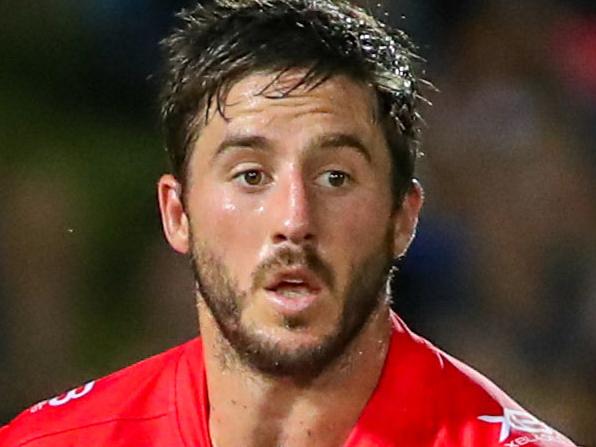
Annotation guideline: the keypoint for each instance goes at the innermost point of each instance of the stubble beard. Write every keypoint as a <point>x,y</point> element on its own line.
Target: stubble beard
<point>224,299</point>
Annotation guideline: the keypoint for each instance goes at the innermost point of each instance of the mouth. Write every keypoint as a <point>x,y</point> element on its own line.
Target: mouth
<point>293,291</point>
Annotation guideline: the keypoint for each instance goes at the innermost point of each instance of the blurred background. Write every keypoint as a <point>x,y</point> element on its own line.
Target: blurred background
<point>502,273</point>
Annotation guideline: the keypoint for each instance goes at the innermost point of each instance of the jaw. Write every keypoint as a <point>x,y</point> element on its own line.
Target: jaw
<point>281,339</point>
<point>290,351</point>
<point>364,352</point>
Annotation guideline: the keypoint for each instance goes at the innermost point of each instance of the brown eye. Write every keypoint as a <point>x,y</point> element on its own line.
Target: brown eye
<point>334,179</point>
<point>337,178</point>
<point>253,178</point>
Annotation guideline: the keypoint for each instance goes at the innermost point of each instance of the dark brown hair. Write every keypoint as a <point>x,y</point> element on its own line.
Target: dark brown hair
<point>220,41</point>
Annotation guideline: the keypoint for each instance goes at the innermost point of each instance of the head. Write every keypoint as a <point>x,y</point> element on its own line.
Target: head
<point>292,130</point>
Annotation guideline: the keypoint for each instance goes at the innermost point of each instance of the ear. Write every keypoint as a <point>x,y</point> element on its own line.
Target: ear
<point>173,217</point>
<point>406,218</point>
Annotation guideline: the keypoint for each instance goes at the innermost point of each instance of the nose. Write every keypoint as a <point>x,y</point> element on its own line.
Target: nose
<point>292,212</point>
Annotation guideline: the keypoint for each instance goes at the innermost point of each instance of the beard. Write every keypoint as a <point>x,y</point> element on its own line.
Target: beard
<point>224,299</point>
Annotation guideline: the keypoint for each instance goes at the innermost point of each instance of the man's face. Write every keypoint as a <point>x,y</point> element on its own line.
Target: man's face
<point>291,220</point>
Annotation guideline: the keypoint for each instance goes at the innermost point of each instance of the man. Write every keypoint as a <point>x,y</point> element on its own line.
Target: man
<point>292,128</point>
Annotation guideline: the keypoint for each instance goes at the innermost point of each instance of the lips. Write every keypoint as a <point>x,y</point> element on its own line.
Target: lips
<point>293,290</point>
<point>293,280</point>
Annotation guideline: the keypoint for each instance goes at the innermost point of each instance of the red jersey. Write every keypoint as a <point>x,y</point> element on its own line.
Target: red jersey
<point>424,398</point>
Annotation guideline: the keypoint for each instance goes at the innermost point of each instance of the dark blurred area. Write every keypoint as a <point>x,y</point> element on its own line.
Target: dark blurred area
<point>502,273</point>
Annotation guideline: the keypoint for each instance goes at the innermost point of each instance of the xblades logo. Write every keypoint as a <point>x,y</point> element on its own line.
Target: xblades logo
<point>517,420</point>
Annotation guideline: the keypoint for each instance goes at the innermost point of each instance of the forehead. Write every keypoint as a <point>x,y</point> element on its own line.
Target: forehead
<point>268,98</point>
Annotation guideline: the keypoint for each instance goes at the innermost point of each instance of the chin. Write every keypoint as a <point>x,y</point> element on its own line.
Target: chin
<point>291,339</point>
<point>301,352</point>
<point>300,330</point>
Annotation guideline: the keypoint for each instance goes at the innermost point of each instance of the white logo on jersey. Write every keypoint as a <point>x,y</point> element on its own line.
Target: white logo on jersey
<point>57,401</point>
<point>518,420</point>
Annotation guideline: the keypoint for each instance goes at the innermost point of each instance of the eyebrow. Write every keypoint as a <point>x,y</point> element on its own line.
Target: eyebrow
<point>256,142</point>
<point>327,141</point>
<point>339,140</point>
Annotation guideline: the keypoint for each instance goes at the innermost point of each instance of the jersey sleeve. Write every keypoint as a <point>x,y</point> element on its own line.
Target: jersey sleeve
<point>49,417</point>
<point>133,407</point>
<point>482,415</point>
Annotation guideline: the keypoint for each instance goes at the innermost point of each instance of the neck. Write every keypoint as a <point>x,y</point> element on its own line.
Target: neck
<point>273,412</point>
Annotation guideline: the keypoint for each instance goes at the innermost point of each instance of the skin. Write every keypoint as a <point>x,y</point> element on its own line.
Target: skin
<point>293,188</point>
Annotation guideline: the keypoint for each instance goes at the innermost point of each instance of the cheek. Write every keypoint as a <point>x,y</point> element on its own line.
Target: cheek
<point>230,229</point>
<point>360,222</point>
<point>356,232</point>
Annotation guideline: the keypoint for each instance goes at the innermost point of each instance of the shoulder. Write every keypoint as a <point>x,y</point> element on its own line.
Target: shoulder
<point>474,404</point>
<point>465,407</point>
<point>139,396</point>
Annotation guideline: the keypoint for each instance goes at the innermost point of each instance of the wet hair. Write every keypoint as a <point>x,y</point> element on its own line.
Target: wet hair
<point>219,42</point>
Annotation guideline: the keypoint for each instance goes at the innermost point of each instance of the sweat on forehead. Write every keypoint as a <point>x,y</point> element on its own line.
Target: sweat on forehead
<point>270,87</point>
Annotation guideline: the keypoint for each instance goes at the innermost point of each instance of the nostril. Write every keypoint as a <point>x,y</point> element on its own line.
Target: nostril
<point>279,238</point>
<point>295,238</point>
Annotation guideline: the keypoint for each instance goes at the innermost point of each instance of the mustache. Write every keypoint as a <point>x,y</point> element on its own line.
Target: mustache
<point>287,257</point>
